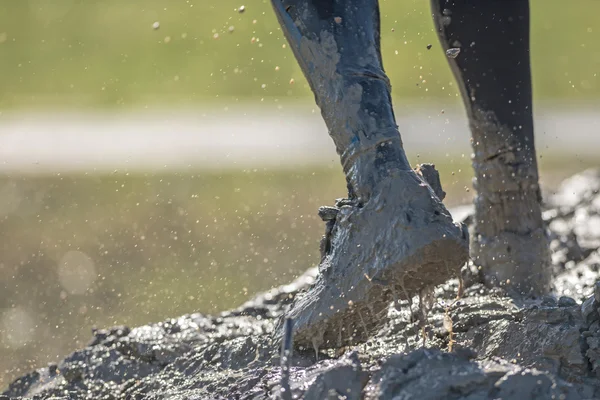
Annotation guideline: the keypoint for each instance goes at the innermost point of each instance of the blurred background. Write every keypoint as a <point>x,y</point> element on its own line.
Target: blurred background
<point>166,157</point>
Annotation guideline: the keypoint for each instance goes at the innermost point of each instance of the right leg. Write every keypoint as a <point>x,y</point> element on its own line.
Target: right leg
<point>393,236</point>
<point>494,77</point>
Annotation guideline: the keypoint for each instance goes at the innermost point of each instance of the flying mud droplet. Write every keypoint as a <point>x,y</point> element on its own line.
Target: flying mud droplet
<point>429,46</point>
<point>453,52</point>
<point>242,9</point>
<point>156,25</point>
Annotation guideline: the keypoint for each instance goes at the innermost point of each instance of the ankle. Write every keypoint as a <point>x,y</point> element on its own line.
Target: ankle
<point>371,160</point>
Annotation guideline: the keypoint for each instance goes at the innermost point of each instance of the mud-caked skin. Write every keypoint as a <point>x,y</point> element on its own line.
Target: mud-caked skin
<point>493,73</point>
<point>336,44</point>
<point>394,237</point>
<point>389,248</point>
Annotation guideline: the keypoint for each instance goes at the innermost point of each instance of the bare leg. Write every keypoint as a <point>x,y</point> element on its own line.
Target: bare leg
<point>393,235</point>
<point>493,73</point>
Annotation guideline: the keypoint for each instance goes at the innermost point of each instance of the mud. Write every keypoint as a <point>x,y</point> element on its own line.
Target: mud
<point>482,346</point>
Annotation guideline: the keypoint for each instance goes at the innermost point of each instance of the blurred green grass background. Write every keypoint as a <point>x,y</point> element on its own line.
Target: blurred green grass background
<point>106,53</point>
<point>166,244</point>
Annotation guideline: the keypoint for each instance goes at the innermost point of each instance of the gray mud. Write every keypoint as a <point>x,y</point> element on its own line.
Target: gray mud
<point>483,346</point>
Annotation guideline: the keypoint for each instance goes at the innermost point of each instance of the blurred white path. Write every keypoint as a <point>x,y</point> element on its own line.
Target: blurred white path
<point>51,142</point>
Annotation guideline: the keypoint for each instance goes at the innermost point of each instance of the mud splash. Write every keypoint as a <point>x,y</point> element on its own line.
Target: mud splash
<point>502,348</point>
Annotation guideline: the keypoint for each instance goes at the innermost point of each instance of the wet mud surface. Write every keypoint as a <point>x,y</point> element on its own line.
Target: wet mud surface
<point>482,346</point>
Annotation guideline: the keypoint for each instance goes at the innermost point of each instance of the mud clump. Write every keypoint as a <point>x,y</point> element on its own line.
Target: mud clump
<point>545,348</point>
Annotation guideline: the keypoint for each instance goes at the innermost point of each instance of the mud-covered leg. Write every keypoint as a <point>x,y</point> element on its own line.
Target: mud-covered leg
<point>393,234</point>
<point>493,73</point>
<point>336,44</point>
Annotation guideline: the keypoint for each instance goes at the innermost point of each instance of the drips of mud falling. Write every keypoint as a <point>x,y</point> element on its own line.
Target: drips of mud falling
<point>542,349</point>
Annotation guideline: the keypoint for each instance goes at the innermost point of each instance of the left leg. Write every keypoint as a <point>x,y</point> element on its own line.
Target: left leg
<point>494,77</point>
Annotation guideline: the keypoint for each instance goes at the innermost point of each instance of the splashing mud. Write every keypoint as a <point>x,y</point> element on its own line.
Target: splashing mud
<point>501,348</point>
